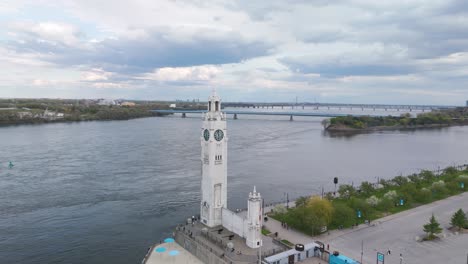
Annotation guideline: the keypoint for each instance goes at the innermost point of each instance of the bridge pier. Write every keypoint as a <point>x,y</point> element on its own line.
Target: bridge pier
<point>235,116</point>
<point>291,118</point>
<point>183,115</point>
<point>302,106</point>
<point>282,107</point>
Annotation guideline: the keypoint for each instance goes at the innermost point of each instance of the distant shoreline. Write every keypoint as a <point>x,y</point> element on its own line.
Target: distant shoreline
<point>342,128</point>
<point>15,112</point>
<point>44,121</point>
<point>365,124</point>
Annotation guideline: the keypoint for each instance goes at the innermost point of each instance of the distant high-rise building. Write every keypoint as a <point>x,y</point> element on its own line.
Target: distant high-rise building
<point>466,103</point>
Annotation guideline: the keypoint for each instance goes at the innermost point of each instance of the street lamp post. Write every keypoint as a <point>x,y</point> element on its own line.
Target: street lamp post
<point>362,249</point>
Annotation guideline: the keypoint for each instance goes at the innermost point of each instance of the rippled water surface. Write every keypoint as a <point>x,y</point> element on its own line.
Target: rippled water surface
<point>98,192</point>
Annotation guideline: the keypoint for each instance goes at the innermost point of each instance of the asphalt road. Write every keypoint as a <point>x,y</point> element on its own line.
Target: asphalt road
<point>398,232</point>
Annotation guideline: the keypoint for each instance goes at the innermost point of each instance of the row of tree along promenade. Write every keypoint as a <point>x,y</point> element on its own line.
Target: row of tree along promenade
<point>356,205</point>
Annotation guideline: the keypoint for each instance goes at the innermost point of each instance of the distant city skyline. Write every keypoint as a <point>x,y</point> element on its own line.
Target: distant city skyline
<point>356,51</point>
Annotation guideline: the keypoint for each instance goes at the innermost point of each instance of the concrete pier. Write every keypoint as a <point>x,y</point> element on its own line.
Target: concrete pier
<point>218,245</point>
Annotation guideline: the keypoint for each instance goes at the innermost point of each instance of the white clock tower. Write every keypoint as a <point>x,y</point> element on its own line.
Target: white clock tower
<point>214,167</point>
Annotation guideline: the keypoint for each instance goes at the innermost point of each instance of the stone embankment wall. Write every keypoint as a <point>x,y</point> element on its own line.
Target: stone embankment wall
<point>202,251</point>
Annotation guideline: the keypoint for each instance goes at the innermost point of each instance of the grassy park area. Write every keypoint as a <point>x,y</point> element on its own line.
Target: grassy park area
<point>367,202</point>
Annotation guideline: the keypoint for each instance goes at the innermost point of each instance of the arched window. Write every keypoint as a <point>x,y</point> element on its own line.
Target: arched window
<point>217,106</point>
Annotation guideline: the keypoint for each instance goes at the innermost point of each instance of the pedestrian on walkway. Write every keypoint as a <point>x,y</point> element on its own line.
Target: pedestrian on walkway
<point>389,252</point>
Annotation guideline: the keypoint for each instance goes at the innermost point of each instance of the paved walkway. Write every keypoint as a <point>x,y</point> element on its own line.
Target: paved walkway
<point>291,235</point>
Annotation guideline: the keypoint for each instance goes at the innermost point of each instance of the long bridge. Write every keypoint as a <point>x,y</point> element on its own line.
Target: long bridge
<point>269,113</point>
<point>317,106</point>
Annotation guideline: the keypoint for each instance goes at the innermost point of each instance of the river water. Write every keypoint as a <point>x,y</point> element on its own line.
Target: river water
<point>96,192</point>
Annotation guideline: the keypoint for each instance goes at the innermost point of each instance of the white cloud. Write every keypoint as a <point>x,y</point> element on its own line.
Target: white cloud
<point>39,82</point>
<point>49,32</point>
<point>104,85</point>
<point>197,73</point>
<point>96,75</point>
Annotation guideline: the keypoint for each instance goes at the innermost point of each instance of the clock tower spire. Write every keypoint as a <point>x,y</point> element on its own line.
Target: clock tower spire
<point>214,167</point>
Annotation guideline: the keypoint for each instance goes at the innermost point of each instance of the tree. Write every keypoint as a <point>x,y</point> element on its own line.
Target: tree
<point>343,215</point>
<point>373,201</point>
<point>305,219</point>
<point>423,196</point>
<point>427,176</point>
<point>367,188</point>
<point>326,123</point>
<point>459,219</point>
<point>346,190</point>
<point>322,208</point>
<point>432,228</point>
<point>391,195</point>
<point>301,201</point>
<point>279,209</point>
<point>400,180</point>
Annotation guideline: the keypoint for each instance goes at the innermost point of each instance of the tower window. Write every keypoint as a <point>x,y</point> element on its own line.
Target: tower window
<point>217,105</point>
<point>209,106</point>
<point>218,159</point>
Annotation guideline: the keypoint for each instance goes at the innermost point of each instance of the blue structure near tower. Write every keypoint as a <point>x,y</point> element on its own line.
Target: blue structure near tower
<point>341,259</point>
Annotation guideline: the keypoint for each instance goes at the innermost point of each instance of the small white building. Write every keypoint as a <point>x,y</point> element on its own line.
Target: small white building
<point>22,115</point>
<point>294,255</point>
<point>52,115</point>
<point>172,106</point>
<point>107,102</point>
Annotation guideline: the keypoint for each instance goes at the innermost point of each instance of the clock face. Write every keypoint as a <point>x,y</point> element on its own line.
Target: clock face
<point>218,135</point>
<point>206,134</point>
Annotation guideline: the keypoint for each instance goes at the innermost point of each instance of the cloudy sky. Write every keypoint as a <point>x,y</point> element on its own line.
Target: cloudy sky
<point>356,51</point>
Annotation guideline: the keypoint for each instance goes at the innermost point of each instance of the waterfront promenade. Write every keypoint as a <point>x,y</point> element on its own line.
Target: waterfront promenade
<point>398,232</point>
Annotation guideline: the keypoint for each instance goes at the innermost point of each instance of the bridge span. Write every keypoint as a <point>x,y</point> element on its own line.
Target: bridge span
<point>317,106</point>
<point>235,113</point>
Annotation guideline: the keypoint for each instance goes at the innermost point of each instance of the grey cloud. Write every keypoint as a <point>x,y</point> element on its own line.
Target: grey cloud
<point>338,70</point>
<point>155,51</point>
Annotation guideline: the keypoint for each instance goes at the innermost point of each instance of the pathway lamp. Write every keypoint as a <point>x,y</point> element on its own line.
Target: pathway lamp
<point>335,181</point>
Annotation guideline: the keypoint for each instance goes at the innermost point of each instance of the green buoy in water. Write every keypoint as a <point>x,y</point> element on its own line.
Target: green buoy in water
<point>11,165</point>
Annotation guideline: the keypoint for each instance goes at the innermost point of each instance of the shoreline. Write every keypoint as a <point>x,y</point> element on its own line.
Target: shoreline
<point>65,120</point>
<point>347,129</point>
